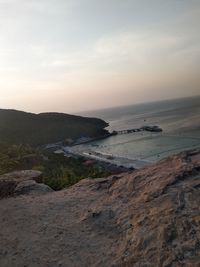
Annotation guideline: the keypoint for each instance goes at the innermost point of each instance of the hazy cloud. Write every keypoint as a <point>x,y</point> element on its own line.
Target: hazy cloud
<point>129,51</point>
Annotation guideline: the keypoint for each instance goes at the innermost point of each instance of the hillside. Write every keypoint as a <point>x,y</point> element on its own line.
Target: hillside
<point>149,217</point>
<point>37,129</point>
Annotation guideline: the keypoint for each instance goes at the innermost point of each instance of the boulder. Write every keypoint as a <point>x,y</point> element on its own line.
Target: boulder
<point>20,176</point>
<point>31,187</point>
<point>21,181</point>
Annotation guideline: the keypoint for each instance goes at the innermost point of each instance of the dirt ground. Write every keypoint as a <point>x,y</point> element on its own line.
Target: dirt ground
<point>149,217</point>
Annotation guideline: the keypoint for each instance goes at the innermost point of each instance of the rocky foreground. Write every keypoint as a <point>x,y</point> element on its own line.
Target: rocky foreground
<point>149,217</point>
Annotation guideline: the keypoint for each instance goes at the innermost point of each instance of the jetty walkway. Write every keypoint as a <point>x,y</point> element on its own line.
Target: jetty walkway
<point>155,129</point>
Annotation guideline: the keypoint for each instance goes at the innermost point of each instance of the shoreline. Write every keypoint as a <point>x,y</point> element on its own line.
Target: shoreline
<point>100,157</point>
<point>103,158</point>
<point>118,161</point>
<point>76,150</point>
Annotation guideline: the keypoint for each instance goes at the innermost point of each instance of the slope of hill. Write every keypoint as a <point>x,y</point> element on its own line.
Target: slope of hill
<point>38,129</point>
<point>149,217</point>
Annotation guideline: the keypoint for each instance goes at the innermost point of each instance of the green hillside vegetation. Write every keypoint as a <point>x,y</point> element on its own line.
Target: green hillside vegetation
<point>17,127</point>
<point>23,134</point>
<point>58,171</point>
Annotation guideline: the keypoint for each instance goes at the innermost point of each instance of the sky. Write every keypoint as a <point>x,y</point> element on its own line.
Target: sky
<point>77,55</point>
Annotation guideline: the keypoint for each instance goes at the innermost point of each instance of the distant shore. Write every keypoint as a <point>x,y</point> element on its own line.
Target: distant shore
<point>103,158</point>
<point>124,163</point>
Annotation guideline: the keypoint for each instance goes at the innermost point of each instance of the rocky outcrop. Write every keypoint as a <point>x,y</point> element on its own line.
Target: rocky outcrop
<point>31,187</point>
<point>149,217</point>
<point>20,176</point>
<point>22,182</point>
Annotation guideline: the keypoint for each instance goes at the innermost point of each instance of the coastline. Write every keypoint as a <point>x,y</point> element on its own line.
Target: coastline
<point>77,149</point>
<point>126,163</point>
<point>123,163</point>
<point>119,162</point>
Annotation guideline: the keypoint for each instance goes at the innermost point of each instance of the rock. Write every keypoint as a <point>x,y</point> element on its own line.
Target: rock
<point>7,188</point>
<point>19,176</point>
<point>10,181</point>
<point>31,187</point>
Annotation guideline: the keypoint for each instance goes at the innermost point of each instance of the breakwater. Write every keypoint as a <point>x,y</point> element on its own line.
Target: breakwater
<point>155,129</point>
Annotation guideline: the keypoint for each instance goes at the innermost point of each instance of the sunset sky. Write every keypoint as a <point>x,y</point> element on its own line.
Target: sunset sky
<point>74,55</point>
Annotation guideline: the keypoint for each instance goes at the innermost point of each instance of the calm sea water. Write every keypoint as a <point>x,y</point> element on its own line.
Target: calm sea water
<point>179,119</point>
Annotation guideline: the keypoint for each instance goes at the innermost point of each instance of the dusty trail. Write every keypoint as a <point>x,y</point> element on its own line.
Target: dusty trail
<point>150,217</point>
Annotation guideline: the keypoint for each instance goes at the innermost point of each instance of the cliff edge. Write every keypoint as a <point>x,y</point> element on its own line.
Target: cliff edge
<point>149,217</point>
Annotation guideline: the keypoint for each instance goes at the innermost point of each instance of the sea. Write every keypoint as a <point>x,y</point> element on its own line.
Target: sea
<point>179,119</point>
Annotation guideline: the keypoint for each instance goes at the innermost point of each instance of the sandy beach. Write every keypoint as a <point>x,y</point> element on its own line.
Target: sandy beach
<point>126,163</point>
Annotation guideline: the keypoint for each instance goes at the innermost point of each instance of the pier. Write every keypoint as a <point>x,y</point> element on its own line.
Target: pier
<point>155,129</point>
